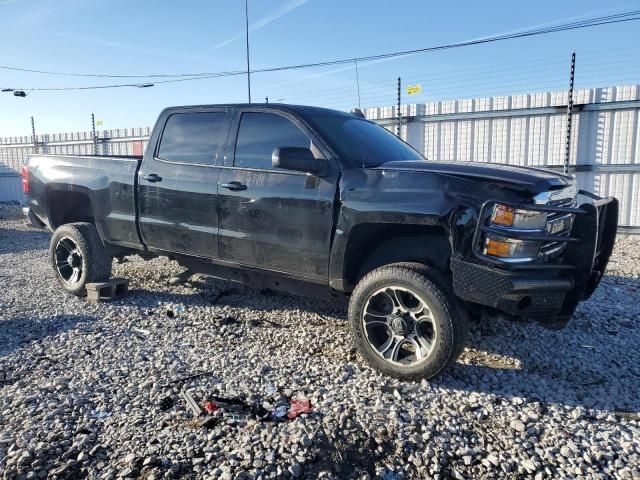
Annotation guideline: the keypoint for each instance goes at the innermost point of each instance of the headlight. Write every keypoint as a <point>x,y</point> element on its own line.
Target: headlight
<point>506,216</point>
<point>503,247</point>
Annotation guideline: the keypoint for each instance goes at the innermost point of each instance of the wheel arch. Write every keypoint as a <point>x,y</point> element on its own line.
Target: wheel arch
<point>372,245</point>
<point>69,206</point>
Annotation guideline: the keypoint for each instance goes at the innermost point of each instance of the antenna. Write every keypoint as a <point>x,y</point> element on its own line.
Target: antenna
<point>246,24</point>
<point>358,83</point>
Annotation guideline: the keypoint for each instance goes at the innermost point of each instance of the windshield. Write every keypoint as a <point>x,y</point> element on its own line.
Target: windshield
<point>363,143</point>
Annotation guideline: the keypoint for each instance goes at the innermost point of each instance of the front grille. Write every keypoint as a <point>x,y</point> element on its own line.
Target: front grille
<point>559,224</point>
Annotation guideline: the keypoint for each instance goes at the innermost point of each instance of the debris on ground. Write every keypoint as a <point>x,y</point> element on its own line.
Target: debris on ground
<point>182,277</point>
<point>271,389</point>
<point>191,403</point>
<point>142,331</point>
<point>280,411</point>
<point>191,377</point>
<point>236,407</point>
<point>635,416</point>
<point>101,414</point>
<point>299,406</point>
<point>210,407</point>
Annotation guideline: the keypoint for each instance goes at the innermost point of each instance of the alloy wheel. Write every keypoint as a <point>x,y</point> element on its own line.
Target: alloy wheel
<point>399,326</point>
<point>68,261</point>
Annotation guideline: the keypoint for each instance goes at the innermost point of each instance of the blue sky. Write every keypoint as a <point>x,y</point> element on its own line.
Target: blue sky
<point>163,36</point>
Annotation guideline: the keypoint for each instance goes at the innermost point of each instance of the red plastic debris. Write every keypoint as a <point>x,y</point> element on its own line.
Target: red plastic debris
<point>210,407</point>
<point>298,406</point>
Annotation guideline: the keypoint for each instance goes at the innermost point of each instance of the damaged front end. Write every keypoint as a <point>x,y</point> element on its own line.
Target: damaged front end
<point>538,260</point>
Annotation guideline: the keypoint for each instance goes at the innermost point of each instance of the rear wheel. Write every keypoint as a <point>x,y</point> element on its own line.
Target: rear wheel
<point>406,322</point>
<point>78,257</point>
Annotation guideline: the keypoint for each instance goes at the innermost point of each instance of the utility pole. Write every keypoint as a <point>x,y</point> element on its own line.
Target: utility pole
<point>246,24</point>
<point>399,100</point>
<point>93,134</point>
<point>33,136</point>
<point>567,154</point>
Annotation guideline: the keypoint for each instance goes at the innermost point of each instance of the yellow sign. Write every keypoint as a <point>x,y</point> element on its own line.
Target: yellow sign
<point>414,89</point>
<point>99,122</point>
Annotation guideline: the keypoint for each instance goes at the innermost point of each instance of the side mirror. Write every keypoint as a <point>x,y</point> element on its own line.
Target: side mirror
<point>298,159</point>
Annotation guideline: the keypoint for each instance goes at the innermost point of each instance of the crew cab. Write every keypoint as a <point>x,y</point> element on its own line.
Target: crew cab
<point>325,203</point>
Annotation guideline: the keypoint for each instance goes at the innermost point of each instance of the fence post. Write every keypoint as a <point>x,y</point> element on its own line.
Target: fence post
<point>567,153</point>
<point>399,100</point>
<point>93,133</point>
<point>33,136</point>
<point>358,82</point>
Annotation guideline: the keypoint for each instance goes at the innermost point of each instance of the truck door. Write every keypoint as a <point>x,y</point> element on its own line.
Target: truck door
<point>270,218</point>
<point>178,182</point>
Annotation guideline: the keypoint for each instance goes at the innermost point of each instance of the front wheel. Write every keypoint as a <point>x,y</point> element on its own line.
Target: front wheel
<point>78,257</point>
<point>406,322</point>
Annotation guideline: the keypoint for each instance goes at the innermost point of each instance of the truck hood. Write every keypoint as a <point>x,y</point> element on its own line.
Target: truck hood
<point>531,179</point>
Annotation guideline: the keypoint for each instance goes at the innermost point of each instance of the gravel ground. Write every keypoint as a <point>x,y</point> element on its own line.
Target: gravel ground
<point>84,388</point>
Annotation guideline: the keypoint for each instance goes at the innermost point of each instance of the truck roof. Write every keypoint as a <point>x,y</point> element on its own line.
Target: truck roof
<point>301,110</point>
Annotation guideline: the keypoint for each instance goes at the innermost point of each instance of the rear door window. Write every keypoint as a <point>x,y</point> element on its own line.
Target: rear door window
<point>260,133</point>
<point>193,137</point>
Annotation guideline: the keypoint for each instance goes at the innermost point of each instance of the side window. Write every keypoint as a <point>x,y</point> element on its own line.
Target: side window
<point>260,133</point>
<point>192,137</point>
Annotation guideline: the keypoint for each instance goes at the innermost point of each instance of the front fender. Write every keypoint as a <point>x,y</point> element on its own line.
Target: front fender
<point>374,197</point>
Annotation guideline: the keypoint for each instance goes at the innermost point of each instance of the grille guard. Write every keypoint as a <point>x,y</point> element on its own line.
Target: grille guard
<point>589,243</point>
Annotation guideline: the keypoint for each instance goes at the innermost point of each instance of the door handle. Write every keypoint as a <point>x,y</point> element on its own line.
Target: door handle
<point>152,177</point>
<point>234,186</point>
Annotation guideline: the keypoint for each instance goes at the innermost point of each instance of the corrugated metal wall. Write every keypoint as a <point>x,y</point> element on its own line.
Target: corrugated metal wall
<point>10,185</point>
<point>530,129</point>
<point>527,129</point>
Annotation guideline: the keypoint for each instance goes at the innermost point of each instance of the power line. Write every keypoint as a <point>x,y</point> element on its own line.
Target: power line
<point>616,18</point>
<point>593,22</point>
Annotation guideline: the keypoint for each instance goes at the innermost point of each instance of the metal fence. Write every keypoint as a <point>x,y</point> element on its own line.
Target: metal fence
<point>530,130</point>
<point>527,129</point>
<point>14,150</point>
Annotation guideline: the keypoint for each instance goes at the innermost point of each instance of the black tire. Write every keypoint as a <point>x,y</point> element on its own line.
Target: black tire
<point>91,257</point>
<point>447,317</point>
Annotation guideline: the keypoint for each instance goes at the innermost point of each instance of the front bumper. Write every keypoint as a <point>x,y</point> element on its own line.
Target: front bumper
<point>546,290</point>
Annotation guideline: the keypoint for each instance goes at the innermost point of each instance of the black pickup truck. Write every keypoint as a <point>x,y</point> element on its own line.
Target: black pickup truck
<point>325,203</point>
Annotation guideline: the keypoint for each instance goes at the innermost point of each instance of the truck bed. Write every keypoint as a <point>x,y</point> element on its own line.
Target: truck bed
<point>64,187</point>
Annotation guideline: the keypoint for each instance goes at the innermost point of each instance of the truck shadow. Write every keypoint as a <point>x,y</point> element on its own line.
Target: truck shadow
<point>19,331</point>
<point>212,292</point>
